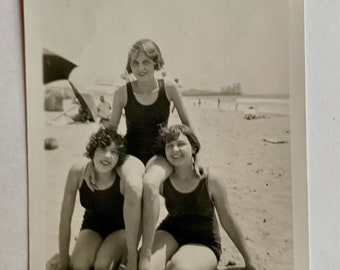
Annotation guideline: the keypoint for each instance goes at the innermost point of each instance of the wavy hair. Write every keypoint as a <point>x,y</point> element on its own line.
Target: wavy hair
<point>167,135</point>
<point>103,138</point>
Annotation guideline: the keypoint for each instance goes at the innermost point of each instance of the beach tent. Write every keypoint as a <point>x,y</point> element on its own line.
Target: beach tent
<point>53,101</point>
<point>86,101</point>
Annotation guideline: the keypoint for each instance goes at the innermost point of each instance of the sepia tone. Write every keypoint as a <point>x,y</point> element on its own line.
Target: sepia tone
<point>232,63</point>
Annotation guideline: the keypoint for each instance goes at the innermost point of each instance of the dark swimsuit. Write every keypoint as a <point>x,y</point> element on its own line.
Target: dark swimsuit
<point>143,123</point>
<point>103,208</point>
<point>191,217</point>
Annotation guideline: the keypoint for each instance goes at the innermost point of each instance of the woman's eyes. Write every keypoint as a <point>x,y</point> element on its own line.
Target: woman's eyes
<point>146,62</point>
<point>114,152</point>
<point>180,144</point>
<point>103,150</point>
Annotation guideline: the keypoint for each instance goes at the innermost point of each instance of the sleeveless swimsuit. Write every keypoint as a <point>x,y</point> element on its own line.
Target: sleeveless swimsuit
<point>191,217</point>
<point>103,208</point>
<point>144,121</point>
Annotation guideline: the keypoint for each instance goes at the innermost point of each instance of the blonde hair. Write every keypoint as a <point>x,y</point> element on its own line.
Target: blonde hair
<point>150,49</point>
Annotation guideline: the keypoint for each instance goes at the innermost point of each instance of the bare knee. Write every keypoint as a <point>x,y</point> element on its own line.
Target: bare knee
<point>132,172</point>
<point>134,188</point>
<point>157,171</point>
<point>178,265</point>
<point>102,264</point>
<point>151,184</point>
<point>80,264</point>
<point>131,168</point>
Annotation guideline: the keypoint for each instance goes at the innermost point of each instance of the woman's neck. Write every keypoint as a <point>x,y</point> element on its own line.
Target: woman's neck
<point>147,86</point>
<point>184,172</point>
<point>104,177</point>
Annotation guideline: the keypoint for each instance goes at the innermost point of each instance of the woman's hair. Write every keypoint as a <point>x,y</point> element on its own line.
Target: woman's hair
<point>167,135</point>
<point>103,138</point>
<point>150,49</point>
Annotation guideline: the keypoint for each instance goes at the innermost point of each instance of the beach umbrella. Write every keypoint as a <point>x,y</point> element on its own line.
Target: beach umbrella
<point>86,101</point>
<point>56,67</point>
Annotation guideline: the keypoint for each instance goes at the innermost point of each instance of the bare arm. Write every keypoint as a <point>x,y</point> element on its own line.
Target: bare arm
<point>67,208</point>
<point>119,101</point>
<point>219,195</point>
<point>175,96</point>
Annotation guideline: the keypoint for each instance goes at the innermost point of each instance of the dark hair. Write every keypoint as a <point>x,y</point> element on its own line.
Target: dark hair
<point>170,134</point>
<point>103,138</point>
<point>150,49</point>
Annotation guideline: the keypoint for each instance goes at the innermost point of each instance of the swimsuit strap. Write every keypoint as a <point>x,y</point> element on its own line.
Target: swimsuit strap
<point>129,91</point>
<point>161,85</point>
<point>206,179</point>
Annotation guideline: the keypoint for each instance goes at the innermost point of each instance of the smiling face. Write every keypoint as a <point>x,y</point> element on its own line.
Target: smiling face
<point>179,152</point>
<point>143,67</point>
<point>105,159</point>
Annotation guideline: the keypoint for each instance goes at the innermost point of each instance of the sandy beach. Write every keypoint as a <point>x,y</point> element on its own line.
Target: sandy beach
<point>257,174</point>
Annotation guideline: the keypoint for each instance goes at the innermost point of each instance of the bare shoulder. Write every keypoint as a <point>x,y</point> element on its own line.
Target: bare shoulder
<point>171,89</point>
<point>215,181</point>
<point>75,173</point>
<point>77,168</point>
<point>168,83</point>
<point>120,91</point>
<point>120,96</point>
<point>170,86</point>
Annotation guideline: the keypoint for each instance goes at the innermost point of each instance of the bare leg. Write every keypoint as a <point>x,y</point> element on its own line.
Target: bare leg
<point>158,169</point>
<point>163,248</point>
<point>193,256</point>
<point>84,252</point>
<point>111,251</point>
<point>131,173</point>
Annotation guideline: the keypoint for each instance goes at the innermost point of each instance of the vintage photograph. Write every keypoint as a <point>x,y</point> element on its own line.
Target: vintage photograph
<point>166,134</point>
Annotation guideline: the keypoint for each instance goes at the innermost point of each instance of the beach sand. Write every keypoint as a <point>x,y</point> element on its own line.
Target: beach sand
<point>257,175</point>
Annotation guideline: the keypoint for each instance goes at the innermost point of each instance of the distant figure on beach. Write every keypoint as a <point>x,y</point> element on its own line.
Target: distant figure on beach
<point>104,236</point>
<point>218,102</point>
<point>189,238</point>
<point>199,102</point>
<point>146,102</point>
<point>250,113</point>
<point>104,110</point>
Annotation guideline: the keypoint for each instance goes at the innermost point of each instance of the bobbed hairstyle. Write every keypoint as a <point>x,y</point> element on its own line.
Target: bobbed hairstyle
<point>167,135</point>
<point>103,138</point>
<point>150,49</point>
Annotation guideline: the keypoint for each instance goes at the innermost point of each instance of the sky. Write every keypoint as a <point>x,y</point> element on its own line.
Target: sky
<point>205,44</point>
